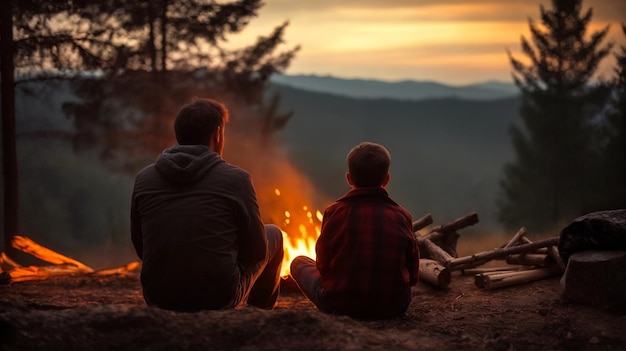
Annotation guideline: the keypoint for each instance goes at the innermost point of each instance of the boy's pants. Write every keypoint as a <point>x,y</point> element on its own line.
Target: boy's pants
<point>304,272</point>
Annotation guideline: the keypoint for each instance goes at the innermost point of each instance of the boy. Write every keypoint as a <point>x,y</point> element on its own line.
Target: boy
<point>367,256</point>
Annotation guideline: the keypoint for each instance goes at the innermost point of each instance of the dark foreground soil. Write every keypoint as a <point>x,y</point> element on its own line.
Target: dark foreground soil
<point>108,313</point>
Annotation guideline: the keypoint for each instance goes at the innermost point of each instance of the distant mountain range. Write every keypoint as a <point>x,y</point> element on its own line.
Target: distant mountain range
<point>401,90</point>
<point>447,153</point>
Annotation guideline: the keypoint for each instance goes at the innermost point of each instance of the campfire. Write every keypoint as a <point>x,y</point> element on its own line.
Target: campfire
<point>300,228</point>
<point>526,260</point>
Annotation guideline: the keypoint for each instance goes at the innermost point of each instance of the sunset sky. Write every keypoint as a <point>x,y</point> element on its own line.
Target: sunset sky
<point>449,41</point>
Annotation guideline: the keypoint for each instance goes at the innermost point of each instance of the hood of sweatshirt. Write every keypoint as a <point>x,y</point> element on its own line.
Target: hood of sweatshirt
<point>184,164</point>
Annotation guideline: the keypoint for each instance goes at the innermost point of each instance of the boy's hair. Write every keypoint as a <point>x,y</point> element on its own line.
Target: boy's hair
<point>198,120</point>
<point>368,164</point>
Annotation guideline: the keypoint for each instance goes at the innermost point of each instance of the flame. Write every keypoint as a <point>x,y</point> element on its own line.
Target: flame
<point>300,232</point>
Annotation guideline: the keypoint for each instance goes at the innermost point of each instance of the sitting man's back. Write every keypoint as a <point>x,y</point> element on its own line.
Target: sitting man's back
<point>195,223</point>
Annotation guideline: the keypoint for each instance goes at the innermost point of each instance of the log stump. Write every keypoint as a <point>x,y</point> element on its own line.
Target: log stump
<point>596,278</point>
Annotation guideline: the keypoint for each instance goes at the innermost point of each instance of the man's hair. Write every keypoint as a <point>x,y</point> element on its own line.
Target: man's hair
<point>368,164</point>
<point>198,120</point>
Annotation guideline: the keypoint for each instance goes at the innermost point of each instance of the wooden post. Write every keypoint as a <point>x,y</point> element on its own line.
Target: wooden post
<point>459,223</point>
<point>496,281</point>
<point>9,144</point>
<point>434,273</point>
<point>422,222</point>
<point>530,259</point>
<point>434,252</point>
<point>500,253</point>
<point>520,233</point>
<point>473,271</point>
<point>554,253</point>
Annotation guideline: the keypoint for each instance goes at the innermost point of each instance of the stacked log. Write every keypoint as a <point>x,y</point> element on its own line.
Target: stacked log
<point>438,246</point>
<point>527,260</point>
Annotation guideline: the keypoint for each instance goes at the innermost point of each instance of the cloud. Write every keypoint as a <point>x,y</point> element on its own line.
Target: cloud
<point>416,38</point>
<point>479,10</point>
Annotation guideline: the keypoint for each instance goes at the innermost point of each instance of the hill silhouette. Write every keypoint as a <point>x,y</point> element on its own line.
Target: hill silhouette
<point>402,90</point>
<point>447,154</point>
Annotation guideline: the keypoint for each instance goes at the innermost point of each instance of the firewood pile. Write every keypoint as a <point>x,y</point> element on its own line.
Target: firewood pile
<point>526,260</point>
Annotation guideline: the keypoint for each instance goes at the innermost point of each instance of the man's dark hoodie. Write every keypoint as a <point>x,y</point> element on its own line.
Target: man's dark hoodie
<point>196,226</point>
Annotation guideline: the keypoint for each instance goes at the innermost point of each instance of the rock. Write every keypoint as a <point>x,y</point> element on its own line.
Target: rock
<point>603,230</point>
<point>596,278</point>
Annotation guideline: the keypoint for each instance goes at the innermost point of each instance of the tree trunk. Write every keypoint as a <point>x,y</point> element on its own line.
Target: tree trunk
<point>9,149</point>
<point>164,36</point>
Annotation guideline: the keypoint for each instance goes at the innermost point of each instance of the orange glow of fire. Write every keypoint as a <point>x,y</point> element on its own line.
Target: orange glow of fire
<point>61,265</point>
<point>300,228</point>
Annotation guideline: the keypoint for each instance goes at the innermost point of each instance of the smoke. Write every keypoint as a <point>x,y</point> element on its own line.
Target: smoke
<point>286,195</point>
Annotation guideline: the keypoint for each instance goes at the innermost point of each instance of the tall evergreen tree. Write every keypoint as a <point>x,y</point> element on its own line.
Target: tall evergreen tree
<point>150,58</point>
<point>9,147</point>
<point>65,37</point>
<point>553,177</point>
<point>614,148</point>
<point>135,62</point>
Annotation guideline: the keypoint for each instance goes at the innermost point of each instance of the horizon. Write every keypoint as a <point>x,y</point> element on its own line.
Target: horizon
<point>452,42</point>
<point>392,81</point>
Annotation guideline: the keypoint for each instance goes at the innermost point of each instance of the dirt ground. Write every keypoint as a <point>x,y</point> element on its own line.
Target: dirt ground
<point>108,313</point>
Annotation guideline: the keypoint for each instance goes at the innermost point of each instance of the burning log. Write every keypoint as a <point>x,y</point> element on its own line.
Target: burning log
<point>501,253</point>
<point>434,273</point>
<point>497,280</point>
<point>30,247</point>
<point>62,265</point>
<point>422,222</point>
<point>7,263</point>
<point>119,270</point>
<point>19,274</point>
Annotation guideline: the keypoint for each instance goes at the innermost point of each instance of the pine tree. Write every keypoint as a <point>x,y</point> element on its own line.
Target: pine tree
<point>150,58</point>
<point>552,178</point>
<point>614,151</point>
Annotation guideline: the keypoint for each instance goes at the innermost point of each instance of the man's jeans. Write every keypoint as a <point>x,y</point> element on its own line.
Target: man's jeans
<point>265,288</point>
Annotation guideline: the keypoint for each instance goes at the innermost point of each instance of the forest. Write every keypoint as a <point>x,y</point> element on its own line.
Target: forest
<point>95,93</point>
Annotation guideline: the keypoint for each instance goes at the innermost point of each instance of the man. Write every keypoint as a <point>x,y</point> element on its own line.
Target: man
<point>196,226</point>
